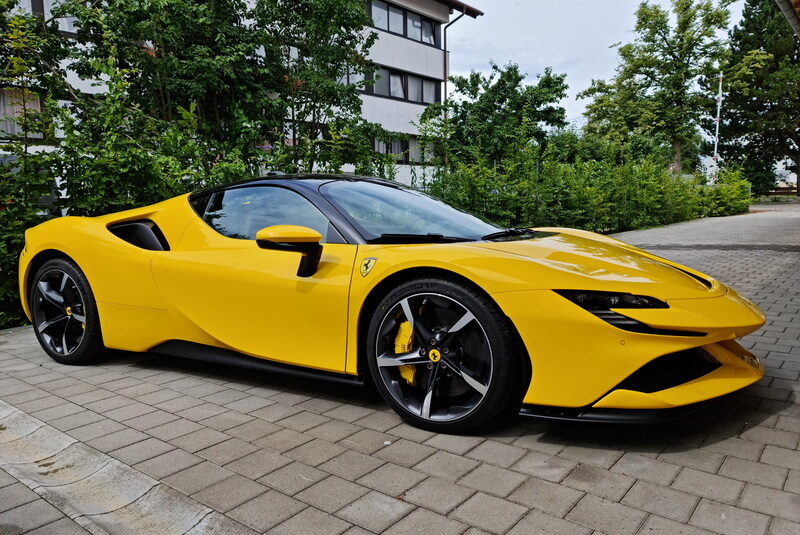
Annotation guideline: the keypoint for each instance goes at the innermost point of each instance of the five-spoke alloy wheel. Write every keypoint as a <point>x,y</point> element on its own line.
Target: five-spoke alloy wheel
<point>442,355</point>
<point>64,313</point>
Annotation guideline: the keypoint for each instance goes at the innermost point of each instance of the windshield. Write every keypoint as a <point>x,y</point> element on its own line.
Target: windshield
<point>378,211</point>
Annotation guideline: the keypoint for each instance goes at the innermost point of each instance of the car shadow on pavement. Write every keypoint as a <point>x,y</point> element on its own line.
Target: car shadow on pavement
<point>720,422</point>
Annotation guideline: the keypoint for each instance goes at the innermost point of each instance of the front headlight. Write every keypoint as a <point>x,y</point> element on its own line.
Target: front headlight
<point>600,301</point>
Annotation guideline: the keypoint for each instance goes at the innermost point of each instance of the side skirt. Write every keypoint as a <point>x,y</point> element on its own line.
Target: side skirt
<point>216,355</point>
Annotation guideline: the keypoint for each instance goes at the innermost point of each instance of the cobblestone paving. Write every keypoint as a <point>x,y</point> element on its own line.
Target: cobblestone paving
<point>152,445</point>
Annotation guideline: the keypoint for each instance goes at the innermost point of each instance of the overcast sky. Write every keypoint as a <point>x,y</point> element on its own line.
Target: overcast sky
<point>571,36</point>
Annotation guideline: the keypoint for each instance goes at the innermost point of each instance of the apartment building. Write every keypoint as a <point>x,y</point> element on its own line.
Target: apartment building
<point>412,66</point>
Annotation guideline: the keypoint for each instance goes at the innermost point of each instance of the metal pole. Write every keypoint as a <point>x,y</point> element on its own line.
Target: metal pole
<point>716,133</point>
<point>446,68</point>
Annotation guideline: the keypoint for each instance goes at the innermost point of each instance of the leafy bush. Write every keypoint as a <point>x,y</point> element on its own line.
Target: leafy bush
<point>730,195</point>
<point>593,195</point>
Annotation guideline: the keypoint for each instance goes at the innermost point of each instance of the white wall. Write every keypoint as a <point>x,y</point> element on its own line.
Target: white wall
<point>407,55</point>
<point>394,115</point>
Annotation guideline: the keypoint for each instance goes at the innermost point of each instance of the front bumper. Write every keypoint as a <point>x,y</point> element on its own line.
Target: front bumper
<point>578,361</point>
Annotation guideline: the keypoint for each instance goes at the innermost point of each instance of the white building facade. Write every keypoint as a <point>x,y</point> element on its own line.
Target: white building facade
<point>412,65</point>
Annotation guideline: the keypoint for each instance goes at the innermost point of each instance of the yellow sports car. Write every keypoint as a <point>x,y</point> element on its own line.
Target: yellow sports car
<point>456,321</point>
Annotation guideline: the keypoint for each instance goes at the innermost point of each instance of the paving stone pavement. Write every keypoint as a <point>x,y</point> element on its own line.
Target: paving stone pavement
<point>145,444</point>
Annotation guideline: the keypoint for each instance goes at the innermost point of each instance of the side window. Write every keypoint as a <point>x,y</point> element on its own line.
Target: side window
<point>242,212</point>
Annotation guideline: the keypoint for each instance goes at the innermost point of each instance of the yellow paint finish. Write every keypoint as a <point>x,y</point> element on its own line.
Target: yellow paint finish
<point>288,234</point>
<point>251,299</point>
<point>734,374</point>
<point>229,293</point>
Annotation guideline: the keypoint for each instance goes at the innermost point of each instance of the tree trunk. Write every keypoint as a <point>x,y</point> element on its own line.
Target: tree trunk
<point>796,159</point>
<point>677,157</point>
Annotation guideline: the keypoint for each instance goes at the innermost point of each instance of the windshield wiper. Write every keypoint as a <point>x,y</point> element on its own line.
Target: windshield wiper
<point>509,232</point>
<point>418,238</point>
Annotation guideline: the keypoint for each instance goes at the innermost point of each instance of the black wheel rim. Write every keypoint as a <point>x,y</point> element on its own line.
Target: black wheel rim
<point>59,312</point>
<point>451,357</point>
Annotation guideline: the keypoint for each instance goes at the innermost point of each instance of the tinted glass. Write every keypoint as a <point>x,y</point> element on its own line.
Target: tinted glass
<point>375,209</point>
<point>380,15</point>
<point>414,88</point>
<point>395,20</point>
<point>396,85</point>
<point>429,91</point>
<point>414,30</point>
<point>381,86</point>
<point>240,213</point>
<point>427,32</point>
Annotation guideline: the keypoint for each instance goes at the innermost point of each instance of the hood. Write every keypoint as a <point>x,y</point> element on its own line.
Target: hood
<point>604,264</point>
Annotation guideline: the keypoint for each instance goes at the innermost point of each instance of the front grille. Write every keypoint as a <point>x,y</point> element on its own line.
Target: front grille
<point>671,370</point>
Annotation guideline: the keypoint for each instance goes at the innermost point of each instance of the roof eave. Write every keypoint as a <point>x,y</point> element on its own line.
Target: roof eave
<point>461,7</point>
<point>791,10</point>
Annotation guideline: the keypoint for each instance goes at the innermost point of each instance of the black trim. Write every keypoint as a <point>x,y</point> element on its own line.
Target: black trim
<point>704,282</point>
<point>311,253</point>
<point>620,321</point>
<point>369,89</point>
<point>670,370</point>
<point>615,416</point>
<point>625,323</point>
<point>142,233</point>
<point>215,355</point>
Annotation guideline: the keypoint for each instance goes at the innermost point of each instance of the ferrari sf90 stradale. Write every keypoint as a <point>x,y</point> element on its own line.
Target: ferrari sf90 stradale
<point>456,321</point>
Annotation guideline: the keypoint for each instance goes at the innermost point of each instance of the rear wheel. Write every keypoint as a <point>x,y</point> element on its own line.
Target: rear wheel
<point>64,313</point>
<point>443,356</point>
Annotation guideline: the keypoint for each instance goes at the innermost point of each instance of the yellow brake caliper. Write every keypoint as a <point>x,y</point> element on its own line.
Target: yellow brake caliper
<point>403,343</point>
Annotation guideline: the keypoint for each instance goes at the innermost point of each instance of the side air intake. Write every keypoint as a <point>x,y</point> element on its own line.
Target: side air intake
<point>142,233</point>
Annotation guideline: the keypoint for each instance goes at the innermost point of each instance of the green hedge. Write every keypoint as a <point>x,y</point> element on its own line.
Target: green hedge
<point>592,195</point>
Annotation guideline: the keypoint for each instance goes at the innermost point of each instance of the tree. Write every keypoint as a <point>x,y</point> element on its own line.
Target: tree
<point>30,53</point>
<point>178,54</point>
<point>656,90</point>
<point>761,116</point>
<point>493,117</point>
<point>318,47</point>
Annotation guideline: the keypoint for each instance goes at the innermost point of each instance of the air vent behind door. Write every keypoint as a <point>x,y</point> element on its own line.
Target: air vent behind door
<point>143,233</point>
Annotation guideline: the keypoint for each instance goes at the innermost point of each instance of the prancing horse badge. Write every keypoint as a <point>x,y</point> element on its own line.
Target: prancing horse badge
<point>367,265</point>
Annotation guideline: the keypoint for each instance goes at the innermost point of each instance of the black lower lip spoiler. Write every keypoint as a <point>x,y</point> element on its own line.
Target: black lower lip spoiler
<point>613,416</point>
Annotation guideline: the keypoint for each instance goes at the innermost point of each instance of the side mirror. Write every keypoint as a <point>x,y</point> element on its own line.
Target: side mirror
<point>296,239</point>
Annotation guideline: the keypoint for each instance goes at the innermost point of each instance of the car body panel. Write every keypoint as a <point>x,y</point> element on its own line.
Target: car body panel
<point>229,293</point>
<point>251,300</point>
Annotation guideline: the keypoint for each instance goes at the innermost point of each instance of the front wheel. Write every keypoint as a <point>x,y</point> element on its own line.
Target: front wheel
<point>64,313</point>
<point>443,356</point>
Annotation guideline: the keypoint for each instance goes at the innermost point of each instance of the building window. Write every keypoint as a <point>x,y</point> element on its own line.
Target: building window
<point>356,79</point>
<point>396,17</point>
<point>397,84</point>
<point>397,148</point>
<point>403,22</point>
<point>405,151</point>
<point>13,103</point>
<point>380,15</point>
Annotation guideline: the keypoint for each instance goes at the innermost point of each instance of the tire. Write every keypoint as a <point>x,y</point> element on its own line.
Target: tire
<point>64,313</point>
<point>466,364</point>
